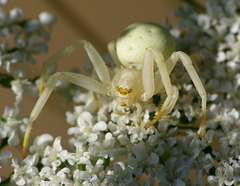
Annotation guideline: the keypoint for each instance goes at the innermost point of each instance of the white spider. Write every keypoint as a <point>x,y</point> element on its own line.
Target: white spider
<point>145,53</point>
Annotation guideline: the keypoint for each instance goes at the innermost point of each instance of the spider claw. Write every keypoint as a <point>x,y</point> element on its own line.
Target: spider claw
<point>202,126</point>
<point>201,131</point>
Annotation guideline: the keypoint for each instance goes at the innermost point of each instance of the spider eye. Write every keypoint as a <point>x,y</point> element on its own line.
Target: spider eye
<point>123,91</point>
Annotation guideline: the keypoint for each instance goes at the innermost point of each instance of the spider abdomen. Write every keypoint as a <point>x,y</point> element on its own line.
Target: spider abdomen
<point>133,41</point>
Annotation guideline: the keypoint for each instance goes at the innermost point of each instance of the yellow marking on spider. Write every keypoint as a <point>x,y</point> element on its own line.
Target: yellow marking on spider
<point>202,126</point>
<point>123,91</point>
<point>41,85</point>
<point>139,123</point>
<point>155,119</point>
<point>96,100</point>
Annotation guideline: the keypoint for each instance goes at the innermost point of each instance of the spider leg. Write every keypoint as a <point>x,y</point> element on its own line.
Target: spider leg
<point>172,93</point>
<point>94,56</point>
<point>196,81</point>
<point>148,76</point>
<point>78,79</point>
<point>116,110</point>
<point>173,101</point>
<point>94,76</point>
<point>95,95</point>
<point>170,63</point>
<point>112,51</point>
<point>159,82</point>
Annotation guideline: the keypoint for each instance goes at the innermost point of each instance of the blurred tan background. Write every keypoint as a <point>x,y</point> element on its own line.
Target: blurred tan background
<point>96,21</point>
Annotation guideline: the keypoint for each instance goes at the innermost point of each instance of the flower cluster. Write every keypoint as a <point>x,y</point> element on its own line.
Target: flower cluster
<point>30,36</point>
<point>215,35</point>
<point>110,149</point>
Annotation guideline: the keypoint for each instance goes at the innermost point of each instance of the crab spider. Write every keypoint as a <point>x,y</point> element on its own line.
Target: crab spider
<point>145,53</point>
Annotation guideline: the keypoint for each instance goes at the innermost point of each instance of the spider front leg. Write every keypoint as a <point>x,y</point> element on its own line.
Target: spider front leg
<point>78,79</point>
<point>149,85</point>
<point>101,70</point>
<point>169,65</point>
<point>196,81</point>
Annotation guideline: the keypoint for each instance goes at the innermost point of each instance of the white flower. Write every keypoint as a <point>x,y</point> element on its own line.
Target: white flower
<point>84,127</point>
<point>138,133</point>
<point>3,2</point>
<point>4,157</point>
<point>15,14</point>
<point>26,173</point>
<point>53,155</point>
<point>100,126</point>
<point>46,18</point>
<point>50,177</point>
<point>122,175</point>
<point>40,143</point>
<point>11,127</point>
<point>204,21</point>
<point>93,175</point>
<point>72,117</point>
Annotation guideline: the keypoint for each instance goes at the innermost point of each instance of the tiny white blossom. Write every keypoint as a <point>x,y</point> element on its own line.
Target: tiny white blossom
<point>51,154</point>
<point>3,2</point>
<point>4,157</point>
<point>46,18</point>
<point>39,144</point>
<point>50,177</point>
